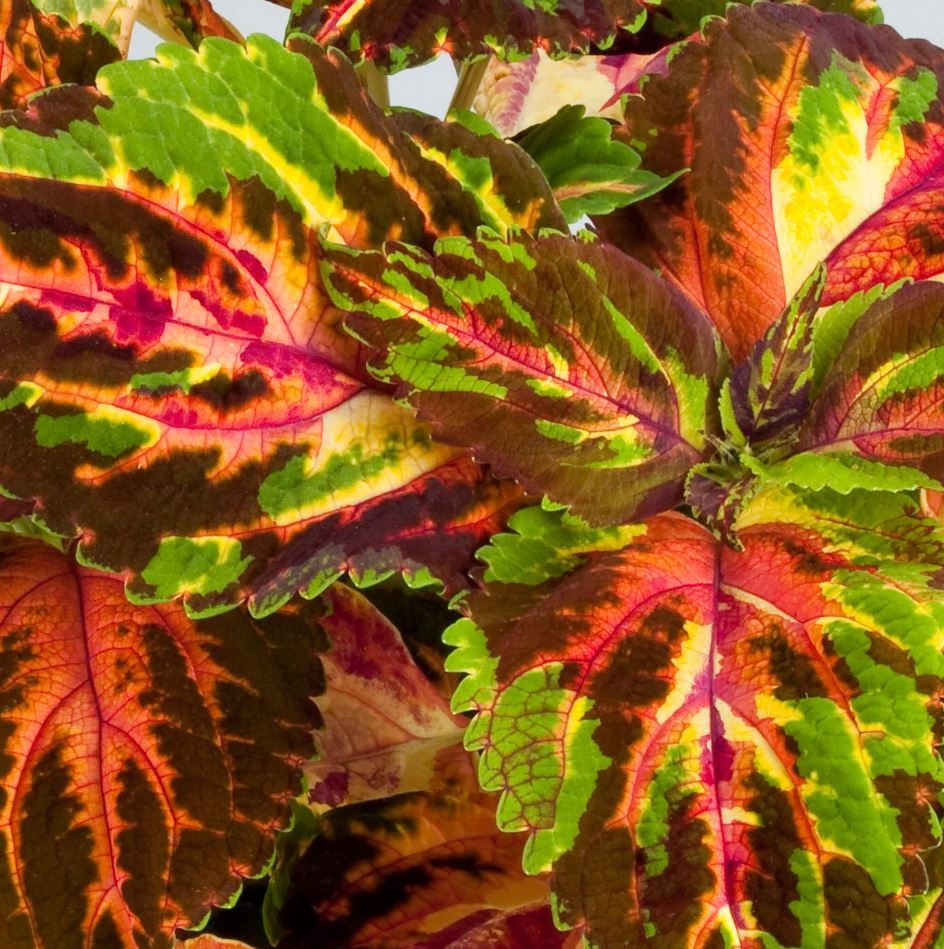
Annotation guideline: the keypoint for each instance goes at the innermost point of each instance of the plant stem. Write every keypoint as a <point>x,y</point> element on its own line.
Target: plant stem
<point>470,78</point>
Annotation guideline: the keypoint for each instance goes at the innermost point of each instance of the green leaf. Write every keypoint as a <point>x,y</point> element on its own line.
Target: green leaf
<point>588,171</point>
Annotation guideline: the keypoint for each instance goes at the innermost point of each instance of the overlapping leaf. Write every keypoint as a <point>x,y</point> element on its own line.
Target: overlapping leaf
<point>675,19</point>
<point>809,137</point>
<point>503,180</point>
<point>399,33</point>
<point>514,96</point>
<point>561,363</point>
<point>588,171</point>
<point>185,21</point>
<point>884,400</point>
<point>147,760</point>
<point>384,722</point>
<point>42,49</point>
<point>398,872</point>
<point>174,388</point>
<point>712,747</point>
<point>524,928</point>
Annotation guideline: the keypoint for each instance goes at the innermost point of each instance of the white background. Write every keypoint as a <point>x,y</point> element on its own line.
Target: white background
<point>429,87</point>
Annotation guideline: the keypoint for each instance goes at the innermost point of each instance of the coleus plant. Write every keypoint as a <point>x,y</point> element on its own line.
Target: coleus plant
<point>677,464</point>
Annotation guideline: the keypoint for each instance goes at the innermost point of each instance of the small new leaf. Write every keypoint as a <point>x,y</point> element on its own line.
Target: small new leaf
<point>589,172</point>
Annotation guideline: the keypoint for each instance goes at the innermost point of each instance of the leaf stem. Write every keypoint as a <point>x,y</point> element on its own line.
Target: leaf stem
<point>376,84</point>
<point>470,78</point>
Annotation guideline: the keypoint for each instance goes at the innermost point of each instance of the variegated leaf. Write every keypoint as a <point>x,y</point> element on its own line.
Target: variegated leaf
<point>326,148</point>
<point>391,874</point>
<point>182,21</point>
<point>810,137</point>
<point>513,96</point>
<point>384,721</point>
<point>42,49</point>
<point>712,747</point>
<point>883,401</point>
<point>674,19</point>
<point>531,927</point>
<point>768,396</point>
<point>173,386</point>
<point>211,942</point>
<point>399,33</point>
<point>147,760</point>
<point>508,186</point>
<point>561,363</point>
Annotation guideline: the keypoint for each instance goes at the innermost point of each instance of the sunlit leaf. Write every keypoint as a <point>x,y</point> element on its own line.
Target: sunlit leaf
<point>514,96</point>
<point>382,731</point>
<point>399,33</point>
<point>810,138</point>
<point>561,363</point>
<point>173,386</point>
<point>393,873</point>
<point>42,49</point>
<point>147,760</point>
<point>711,747</point>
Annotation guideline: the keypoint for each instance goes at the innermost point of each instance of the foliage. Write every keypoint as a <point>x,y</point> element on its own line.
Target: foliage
<point>516,530</point>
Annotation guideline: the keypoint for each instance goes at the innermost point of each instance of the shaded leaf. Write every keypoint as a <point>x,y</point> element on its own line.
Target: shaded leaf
<point>211,942</point>
<point>716,491</point>
<point>173,385</point>
<point>398,33</point>
<point>289,847</point>
<point>768,396</point>
<point>711,747</point>
<point>393,873</point>
<point>809,138</point>
<point>675,19</point>
<point>526,928</point>
<point>42,49</point>
<point>884,399</point>
<point>561,363</point>
<point>148,761</point>
<point>588,171</point>
<point>382,729</point>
